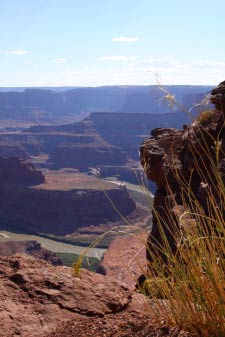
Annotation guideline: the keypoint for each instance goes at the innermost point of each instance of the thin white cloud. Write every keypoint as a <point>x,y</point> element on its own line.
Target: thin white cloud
<point>125,39</point>
<point>17,52</point>
<point>141,71</point>
<point>159,62</point>
<point>117,58</point>
<point>168,63</point>
<point>175,72</point>
<point>208,64</point>
<point>59,60</point>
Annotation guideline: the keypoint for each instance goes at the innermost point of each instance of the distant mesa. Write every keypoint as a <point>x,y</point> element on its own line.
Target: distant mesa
<point>58,203</point>
<point>63,105</point>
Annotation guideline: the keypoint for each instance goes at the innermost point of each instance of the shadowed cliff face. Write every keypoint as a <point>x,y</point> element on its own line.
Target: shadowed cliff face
<point>61,212</point>
<point>16,171</point>
<point>174,158</point>
<point>58,203</point>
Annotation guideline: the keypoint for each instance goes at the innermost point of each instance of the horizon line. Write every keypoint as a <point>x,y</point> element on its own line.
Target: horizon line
<point>107,85</point>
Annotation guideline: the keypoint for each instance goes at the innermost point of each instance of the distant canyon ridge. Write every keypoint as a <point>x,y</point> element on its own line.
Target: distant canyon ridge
<point>47,106</point>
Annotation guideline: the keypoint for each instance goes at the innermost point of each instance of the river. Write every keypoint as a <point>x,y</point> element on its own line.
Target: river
<point>54,246</point>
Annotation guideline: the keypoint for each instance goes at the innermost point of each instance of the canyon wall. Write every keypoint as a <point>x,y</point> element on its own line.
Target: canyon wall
<point>29,201</point>
<point>42,104</point>
<point>108,139</point>
<point>60,212</point>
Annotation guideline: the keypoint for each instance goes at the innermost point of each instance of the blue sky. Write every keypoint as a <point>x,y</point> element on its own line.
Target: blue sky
<point>111,42</point>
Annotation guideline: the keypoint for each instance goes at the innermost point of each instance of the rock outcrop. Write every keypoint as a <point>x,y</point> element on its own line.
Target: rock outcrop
<point>185,160</point>
<point>32,248</point>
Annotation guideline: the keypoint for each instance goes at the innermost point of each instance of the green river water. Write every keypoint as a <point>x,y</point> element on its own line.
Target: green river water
<point>54,246</point>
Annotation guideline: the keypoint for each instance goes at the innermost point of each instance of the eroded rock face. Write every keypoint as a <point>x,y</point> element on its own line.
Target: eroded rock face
<point>175,159</point>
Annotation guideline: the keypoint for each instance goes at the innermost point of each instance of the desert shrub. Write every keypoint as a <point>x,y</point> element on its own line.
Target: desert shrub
<point>205,116</point>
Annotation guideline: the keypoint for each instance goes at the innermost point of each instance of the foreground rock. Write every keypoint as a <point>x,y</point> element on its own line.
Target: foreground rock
<point>35,296</point>
<point>178,160</point>
<point>37,299</point>
<point>132,323</point>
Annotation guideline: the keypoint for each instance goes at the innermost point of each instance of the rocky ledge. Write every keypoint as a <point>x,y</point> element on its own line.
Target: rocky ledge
<point>38,299</point>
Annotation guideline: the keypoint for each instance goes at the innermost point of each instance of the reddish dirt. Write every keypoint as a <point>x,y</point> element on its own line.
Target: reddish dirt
<point>128,324</point>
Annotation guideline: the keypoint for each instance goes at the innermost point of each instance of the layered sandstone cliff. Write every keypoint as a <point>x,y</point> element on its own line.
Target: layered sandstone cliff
<point>58,203</point>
